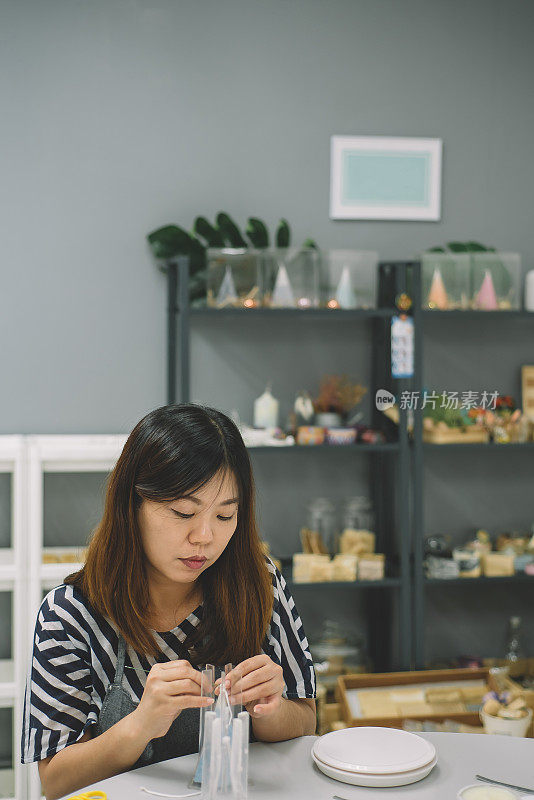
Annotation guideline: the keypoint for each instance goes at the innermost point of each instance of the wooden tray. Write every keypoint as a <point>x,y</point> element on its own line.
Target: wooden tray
<point>455,435</point>
<point>368,681</point>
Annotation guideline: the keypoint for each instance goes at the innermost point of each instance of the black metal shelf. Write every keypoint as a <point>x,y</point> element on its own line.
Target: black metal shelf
<point>421,449</point>
<point>389,486</point>
<point>472,314</point>
<point>479,446</point>
<point>297,313</point>
<point>379,447</point>
<point>385,583</point>
<point>483,580</point>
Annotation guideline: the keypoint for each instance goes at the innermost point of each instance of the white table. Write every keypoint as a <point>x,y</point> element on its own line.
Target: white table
<point>285,771</point>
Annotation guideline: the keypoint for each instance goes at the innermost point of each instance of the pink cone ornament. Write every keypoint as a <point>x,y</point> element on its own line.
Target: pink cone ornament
<point>486,297</point>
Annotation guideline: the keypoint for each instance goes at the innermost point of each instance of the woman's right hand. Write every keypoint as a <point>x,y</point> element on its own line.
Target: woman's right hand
<point>170,687</point>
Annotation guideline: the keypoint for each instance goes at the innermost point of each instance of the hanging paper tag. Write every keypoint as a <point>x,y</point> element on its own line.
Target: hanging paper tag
<point>402,347</point>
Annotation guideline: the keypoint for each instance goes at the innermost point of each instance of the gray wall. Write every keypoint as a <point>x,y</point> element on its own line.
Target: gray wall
<point>119,116</point>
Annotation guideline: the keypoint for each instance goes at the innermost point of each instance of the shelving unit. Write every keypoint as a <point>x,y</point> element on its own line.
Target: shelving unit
<point>388,602</point>
<point>13,580</point>
<point>421,584</point>
<point>62,453</point>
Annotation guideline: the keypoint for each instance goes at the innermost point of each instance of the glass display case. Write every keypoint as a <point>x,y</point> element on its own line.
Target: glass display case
<point>292,277</point>
<point>496,281</point>
<point>349,279</point>
<point>446,279</point>
<point>234,278</point>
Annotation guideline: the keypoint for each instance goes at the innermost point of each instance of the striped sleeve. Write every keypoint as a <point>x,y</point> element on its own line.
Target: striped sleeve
<point>286,642</point>
<point>57,703</point>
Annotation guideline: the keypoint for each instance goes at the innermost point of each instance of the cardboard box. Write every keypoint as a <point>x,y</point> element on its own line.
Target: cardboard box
<point>344,567</point>
<point>497,565</point>
<point>371,567</point>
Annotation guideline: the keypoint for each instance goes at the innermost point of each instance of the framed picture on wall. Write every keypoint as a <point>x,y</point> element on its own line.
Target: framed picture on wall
<point>382,177</point>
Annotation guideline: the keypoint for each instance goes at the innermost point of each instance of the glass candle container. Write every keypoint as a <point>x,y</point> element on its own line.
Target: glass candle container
<point>291,277</point>
<point>234,278</point>
<point>496,281</point>
<point>349,279</point>
<point>446,280</point>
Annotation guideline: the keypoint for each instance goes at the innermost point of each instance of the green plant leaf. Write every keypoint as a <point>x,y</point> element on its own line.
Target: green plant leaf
<point>169,241</point>
<point>476,247</point>
<point>203,228</point>
<point>229,231</point>
<point>257,232</point>
<point>457,247</point>
<point>283,234</point>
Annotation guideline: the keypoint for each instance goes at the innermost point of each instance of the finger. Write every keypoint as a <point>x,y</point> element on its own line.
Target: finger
<point>257,676</point>
<point>177,662</point>
<point>266,705</point>
<point>248,665</point>
<point>193,701</point>
<point>179,669</point>
<point>180,686</point>
<point>263,690</point>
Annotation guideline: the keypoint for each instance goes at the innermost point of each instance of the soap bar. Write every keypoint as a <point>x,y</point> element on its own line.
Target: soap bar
<point>486,793</point>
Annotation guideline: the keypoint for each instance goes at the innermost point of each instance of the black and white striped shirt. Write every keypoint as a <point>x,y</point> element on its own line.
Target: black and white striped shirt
<point>75,656</point>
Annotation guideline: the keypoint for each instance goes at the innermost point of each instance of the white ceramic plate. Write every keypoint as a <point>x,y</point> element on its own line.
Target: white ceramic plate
<point>376,781</point>
<point>376,751</point>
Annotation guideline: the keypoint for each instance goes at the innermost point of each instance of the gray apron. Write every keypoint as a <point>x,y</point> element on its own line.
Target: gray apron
<point>182,737</point>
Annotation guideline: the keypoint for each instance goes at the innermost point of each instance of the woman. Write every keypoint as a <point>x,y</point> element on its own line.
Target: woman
<point>175,578</point>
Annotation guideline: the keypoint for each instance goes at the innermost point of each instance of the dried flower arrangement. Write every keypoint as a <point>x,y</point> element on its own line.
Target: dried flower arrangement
<point>338,395</point>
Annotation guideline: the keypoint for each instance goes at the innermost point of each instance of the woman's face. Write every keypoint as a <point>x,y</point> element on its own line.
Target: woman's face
<point>183,537</point>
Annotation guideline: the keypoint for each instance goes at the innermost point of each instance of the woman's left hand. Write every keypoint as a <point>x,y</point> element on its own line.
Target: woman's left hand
<point>261,682</point>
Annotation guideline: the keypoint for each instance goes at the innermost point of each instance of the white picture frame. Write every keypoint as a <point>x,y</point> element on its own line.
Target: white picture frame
<point>385,178</point>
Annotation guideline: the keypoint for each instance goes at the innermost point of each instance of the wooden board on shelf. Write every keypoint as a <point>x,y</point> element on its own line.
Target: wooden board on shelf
<point>474,434</point>
<point>409,706</point>
<point>527,391</point>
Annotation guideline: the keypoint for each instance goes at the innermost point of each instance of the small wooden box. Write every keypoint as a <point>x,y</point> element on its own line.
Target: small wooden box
<point>497,565</point>
<point>527,387</point>
<point>528,694</point>
<point>404,706</point>
<point>371,567</point>
<point>468,435</point>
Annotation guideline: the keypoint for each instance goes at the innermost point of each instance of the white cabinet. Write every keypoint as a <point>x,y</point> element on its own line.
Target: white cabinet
<point>22,572</point>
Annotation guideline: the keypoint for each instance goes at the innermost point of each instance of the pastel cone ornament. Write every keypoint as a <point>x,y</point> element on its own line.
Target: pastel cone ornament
<point>227,293</point>
<point>486,297</point>
<point>282,292</point>
<point>437,296</point>
<point>344,293</point>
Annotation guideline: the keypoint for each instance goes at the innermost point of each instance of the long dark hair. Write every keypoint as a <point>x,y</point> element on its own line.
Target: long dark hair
<point>171,452</point>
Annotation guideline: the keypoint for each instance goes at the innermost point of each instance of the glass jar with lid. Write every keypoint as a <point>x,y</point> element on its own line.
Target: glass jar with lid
<point>358,514</point>
<point>322,520</point>
<point>337,651</point>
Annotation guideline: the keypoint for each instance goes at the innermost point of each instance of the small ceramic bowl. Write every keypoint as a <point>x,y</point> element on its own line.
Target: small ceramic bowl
<point>508,727</point>
<point>482,792</point>
<point>310,435</point>
<point>340,435</point>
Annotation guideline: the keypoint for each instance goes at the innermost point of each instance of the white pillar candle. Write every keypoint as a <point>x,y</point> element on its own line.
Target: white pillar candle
<point>529,290</point>
<point>266,410</point>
